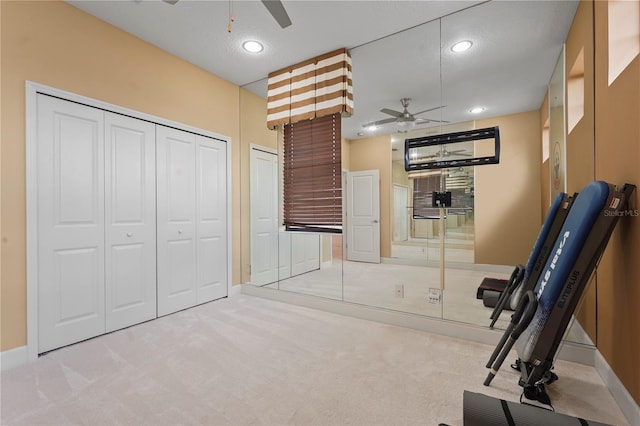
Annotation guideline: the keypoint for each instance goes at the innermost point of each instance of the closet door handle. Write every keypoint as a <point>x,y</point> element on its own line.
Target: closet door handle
<point>129,234</point>
<point>179,231</point>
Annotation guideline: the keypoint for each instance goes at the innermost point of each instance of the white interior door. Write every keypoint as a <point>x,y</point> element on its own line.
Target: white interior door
<point>264,217</point>
<point>400,213</point>
<point>176,216</point>
<point>70,146</point>
<point>363,216</point>
<point>211,229</point>
<point>130,218</point>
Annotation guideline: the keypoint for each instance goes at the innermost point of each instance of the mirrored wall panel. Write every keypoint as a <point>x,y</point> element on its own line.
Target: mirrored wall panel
<point>397,250</point>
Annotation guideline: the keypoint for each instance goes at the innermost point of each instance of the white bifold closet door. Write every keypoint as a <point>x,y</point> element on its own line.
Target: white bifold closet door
<point>130,218</point>
<point>192,219</point>
<point>96,222</point>
<point>70,145</point>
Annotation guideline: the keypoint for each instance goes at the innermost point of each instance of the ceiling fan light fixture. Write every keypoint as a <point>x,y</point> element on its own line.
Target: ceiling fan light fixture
<point>476,110</point>
<point>461,46</point>
<point>405,126</point>
<point>252,46</point>
<point>372,128</point>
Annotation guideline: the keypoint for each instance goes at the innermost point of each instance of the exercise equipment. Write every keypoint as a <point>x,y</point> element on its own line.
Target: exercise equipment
<point>525,278</point>
<point>542,316</point>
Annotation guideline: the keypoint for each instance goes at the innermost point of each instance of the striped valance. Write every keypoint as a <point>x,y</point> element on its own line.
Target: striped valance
<point>314,88</point>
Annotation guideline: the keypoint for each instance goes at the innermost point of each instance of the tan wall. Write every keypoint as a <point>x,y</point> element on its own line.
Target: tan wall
<point>400,175</point>
<point>580,140</point>
<point>58,45</point>
<point>253,130</point>
<point>617,160</point>
<point>507,195</point>
<point>346,154</point>
<point>371,154</point>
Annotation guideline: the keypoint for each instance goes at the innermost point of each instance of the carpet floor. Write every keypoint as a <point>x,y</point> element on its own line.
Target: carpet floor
<point>250,361</point>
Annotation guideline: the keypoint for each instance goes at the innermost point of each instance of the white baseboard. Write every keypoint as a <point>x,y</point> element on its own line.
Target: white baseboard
<point>234,290</point>
<point>13,358</point>
<point>621,395</point>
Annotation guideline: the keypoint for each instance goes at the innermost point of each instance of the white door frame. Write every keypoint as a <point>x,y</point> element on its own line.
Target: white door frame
<point>32,89</point>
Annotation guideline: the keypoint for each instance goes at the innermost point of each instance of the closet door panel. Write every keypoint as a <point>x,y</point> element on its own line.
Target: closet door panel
<point>211,189</point>
<point>176,215</point>
<point>70,210</point>
<point>130,220</point>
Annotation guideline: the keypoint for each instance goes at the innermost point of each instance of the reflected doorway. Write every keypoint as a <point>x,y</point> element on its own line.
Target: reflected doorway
<point>264,215</point>
<point>400,213</point>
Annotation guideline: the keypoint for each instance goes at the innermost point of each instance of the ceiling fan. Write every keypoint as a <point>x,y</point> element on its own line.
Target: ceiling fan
<point>405,116</point>
<point>275,8</point>
<point>446,153</point>
<point>443,154</point>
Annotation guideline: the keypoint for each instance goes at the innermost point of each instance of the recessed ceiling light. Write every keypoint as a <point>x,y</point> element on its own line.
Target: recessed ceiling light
<point>252,46</point>
<point>476,110</point>
<point>461,46</point>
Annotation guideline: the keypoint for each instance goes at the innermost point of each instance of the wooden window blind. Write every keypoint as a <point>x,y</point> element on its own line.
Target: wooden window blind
<point>312,181</point>
<point>423,188</point>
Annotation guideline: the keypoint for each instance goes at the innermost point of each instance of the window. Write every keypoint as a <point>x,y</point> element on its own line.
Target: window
<point>624,35</point>
<point>312,183</point>
<point>575,92</point>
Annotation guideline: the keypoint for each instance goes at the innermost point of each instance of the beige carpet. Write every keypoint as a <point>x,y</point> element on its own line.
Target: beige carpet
<point>250,361</point>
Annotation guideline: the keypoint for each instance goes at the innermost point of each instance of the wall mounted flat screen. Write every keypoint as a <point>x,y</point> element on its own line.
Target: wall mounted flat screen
<point>468,148</point>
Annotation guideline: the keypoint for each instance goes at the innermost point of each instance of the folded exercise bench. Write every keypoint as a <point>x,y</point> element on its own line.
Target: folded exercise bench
<point>543,314</point>
<point>524,278</point>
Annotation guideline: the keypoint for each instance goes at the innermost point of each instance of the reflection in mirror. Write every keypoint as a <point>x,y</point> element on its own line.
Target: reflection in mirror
<point>420,245</point>
<point>394,243</point>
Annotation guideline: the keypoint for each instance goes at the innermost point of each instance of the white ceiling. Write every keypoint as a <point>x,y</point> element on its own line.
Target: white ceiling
<point>399,48</point>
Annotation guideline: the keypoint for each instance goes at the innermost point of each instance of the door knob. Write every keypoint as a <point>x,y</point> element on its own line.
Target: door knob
<point>129,234</point>
<point>179,231</point>
<point>375,220</point>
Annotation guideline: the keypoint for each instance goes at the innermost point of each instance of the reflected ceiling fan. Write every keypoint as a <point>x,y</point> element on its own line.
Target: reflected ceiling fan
<point>275,8</point>
<point>405,117</point>
<point>446,153</point>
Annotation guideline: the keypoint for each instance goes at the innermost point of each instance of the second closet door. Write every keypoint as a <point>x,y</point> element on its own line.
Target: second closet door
<point>130,221</point>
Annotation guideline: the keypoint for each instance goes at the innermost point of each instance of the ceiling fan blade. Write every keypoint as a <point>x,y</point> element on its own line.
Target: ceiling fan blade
<point>276,9</point>
<point>459,152</point>
<point>430,109</point>
<point>428,120</point>
<point>379,122</point>
<point>391,112</point>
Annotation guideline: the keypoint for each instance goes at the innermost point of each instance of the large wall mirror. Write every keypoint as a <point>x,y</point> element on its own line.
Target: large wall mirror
<point>421,261</point>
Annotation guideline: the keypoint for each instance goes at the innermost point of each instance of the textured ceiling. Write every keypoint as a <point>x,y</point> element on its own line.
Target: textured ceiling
<point>399,48</point>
